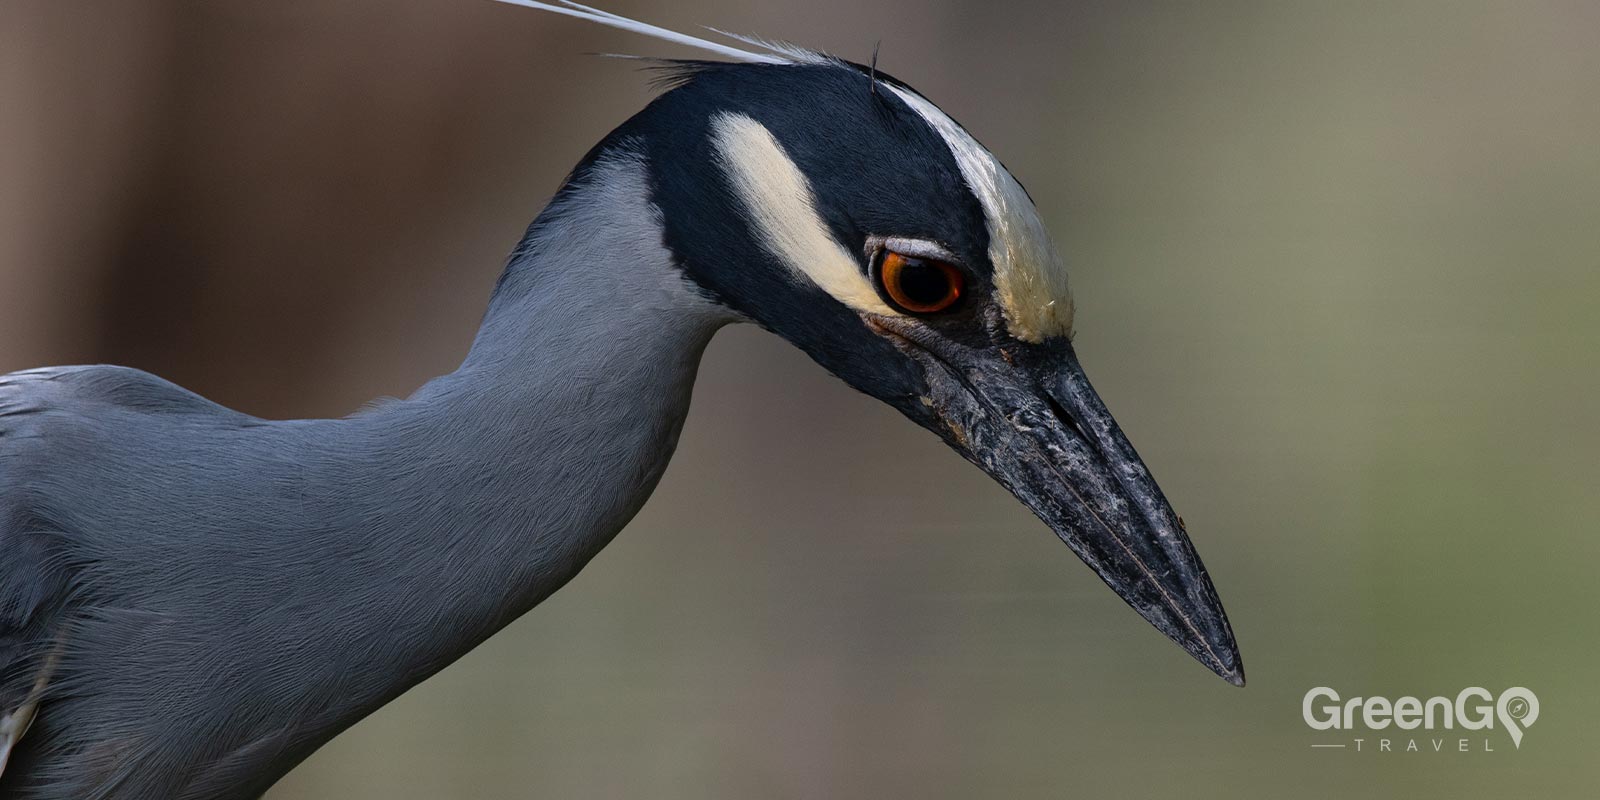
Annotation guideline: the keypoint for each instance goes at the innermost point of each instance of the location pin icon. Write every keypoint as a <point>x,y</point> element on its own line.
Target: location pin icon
<point>1517,708</point>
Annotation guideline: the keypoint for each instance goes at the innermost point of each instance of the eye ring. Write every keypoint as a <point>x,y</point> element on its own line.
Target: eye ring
<point>917,285</point>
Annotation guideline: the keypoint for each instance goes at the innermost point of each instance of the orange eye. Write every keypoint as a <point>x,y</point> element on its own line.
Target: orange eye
<point>919,285</point>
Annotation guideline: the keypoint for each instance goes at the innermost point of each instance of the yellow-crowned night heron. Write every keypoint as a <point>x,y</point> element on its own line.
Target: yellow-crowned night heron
<point>192,600</point>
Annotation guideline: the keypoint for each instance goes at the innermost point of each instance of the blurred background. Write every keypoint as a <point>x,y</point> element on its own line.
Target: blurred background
<point>1337,269</point>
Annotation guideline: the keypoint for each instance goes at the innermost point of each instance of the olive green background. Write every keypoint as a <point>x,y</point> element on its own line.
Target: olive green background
<point>1337,269</point>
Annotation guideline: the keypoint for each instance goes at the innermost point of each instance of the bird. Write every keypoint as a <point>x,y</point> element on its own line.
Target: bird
<point>194,599</point>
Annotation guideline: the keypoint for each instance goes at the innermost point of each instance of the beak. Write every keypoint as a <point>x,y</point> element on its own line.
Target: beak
<point>1027,415</point>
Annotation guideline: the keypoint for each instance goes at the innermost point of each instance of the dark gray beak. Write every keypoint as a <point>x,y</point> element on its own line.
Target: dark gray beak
<point>1027,415</point>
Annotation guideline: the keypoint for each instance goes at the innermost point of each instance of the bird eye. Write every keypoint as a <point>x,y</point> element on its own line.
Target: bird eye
<point>919,285</point>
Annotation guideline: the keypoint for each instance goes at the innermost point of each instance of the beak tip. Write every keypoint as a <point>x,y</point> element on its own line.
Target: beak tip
<point>1215,648</point>
<point>1236,677</point>
<point>1226,664</point>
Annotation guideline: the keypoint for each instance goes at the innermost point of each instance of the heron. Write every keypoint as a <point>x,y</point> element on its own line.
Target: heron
<point>194,599</point>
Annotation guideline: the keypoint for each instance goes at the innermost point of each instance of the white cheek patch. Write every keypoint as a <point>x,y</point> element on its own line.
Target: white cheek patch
<point>1030,280</point>
<point>783,210</point>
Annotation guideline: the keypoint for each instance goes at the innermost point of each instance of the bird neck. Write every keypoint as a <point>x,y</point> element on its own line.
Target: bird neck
<point>526,461</point>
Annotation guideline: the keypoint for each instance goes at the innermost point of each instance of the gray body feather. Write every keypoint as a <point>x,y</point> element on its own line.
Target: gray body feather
<point>217,595</point>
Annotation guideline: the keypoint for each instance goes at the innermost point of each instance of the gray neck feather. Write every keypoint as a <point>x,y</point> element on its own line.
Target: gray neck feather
<point>492,486</point>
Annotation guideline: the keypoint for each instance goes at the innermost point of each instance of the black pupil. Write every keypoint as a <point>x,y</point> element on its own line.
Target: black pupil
<point>923,283</point>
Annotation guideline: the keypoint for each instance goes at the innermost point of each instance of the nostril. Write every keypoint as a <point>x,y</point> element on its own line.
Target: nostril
<point>1066,418</point>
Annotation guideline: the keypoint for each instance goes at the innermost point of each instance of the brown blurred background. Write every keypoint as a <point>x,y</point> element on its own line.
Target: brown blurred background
<point>1337,267</point>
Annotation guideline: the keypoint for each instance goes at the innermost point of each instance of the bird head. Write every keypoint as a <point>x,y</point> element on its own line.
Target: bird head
<point>839,208</point>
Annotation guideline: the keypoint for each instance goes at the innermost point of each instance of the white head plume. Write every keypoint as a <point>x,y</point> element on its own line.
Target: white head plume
<point>775,52</point>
